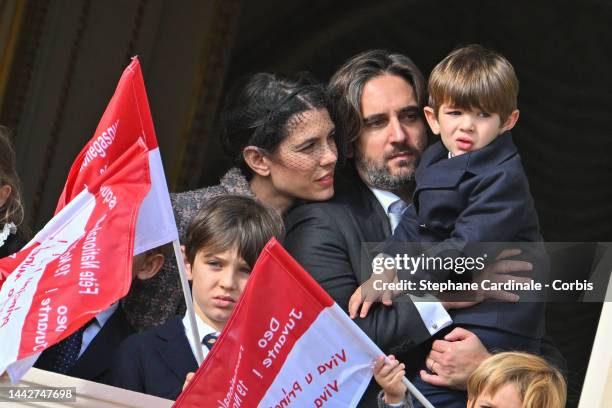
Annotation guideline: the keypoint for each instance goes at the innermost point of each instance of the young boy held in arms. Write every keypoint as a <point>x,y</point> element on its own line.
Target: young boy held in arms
<point>471,188</point>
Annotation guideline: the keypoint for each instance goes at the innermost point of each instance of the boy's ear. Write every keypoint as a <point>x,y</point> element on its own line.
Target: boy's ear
<point>149,268</point>
<point>5,192</point>
<point>256,160</point>
<point>511,121</point>
<point>187,264</point>
<point>432,120</point>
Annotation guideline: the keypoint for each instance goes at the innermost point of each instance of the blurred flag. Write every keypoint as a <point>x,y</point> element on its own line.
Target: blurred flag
<point>76,266</point>
<point>286,344</point>
<point>126,119</point>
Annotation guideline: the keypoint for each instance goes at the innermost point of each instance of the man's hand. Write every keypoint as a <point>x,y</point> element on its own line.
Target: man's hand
<point>454,359</point>
<point>499,272</point>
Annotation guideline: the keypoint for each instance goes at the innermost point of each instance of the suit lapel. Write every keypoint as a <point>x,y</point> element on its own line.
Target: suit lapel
<point>436,170</point>
<point>175,350</point>
<point>376,226</point>
<point>98,357</point>
<point>369,216</point>
<point>369,224</point>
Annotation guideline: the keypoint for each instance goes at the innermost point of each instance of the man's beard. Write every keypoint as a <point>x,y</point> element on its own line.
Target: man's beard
<point>377,175</point>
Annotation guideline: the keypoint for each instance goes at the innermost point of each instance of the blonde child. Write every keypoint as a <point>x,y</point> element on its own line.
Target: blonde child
<point>516,380</point>
<point>504,380</point>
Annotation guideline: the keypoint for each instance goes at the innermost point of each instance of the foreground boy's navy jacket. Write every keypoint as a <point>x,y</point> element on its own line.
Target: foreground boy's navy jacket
<point>156,361</point>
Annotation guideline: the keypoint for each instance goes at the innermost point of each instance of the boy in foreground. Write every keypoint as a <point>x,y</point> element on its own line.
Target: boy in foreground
<point>222,244</point>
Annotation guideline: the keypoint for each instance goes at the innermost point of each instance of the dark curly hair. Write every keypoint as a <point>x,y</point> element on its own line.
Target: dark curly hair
<point>259,111</point>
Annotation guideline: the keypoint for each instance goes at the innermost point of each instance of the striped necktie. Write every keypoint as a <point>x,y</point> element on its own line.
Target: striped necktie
<point>396,209</point>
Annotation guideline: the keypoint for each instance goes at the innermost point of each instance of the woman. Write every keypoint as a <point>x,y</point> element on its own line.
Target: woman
<point>280,136</point>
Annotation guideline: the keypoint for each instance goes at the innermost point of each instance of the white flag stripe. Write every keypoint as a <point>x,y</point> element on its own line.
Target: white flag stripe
<point>64,217</point>
<point>18,369</point>
<point>59,234</point>
<point>318,347</point>
<point>155,225</point>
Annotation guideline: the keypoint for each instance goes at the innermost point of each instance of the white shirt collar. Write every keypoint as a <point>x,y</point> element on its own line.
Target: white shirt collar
<point>104,315</point>
<point>385,198</point>
<point>203,330</point>
<point>96,325</point>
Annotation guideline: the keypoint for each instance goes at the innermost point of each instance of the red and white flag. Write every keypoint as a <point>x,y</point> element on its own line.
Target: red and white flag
<point>126,119</point>
<point>76,266</point>
<point>286,344</point>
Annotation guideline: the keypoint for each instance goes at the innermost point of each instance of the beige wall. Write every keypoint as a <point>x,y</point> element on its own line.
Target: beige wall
<point>88,394</point>
<point>597,388</point>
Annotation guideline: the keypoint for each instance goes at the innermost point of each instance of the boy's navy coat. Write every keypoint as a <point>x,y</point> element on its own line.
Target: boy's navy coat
<point>95,362</point>
<point>156,361</point>
<point>479,196</point>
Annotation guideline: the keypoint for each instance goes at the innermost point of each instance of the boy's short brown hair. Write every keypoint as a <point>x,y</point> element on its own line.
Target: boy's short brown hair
<point>474,77</point>
<point>538,383</point>
<point>232,220</point>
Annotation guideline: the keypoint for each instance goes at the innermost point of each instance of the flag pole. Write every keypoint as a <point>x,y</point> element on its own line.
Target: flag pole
<point>195,338</point>
<point>417,394</point>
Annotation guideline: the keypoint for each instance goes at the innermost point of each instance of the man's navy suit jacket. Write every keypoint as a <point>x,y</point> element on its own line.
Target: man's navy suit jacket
<point>95,362</point>
<point>156,361</point>
<point>327,238</point>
